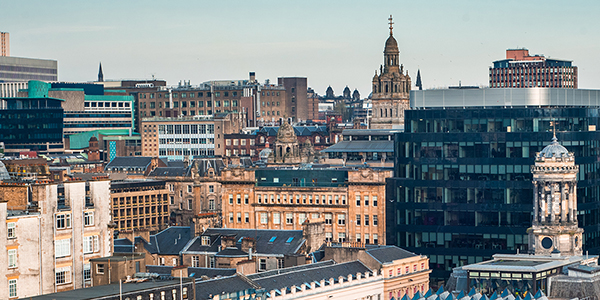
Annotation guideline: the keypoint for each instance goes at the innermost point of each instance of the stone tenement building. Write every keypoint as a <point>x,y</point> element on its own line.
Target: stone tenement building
<point>51,231</point>
<point>391,89</point>
<point>351,202</point>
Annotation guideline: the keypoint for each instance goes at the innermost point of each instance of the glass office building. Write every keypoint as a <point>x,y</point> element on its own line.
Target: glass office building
<point>463,189</point>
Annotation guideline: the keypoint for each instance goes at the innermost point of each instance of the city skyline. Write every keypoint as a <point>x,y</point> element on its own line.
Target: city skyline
<point>337,44</point>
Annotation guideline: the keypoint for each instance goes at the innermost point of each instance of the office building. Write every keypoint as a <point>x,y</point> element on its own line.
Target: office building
<point>351,202</point>
<point>4,44</point>
<point>32,124</point>
<point>463,189</point>
<point>390,88</point>
<point>24,69</point>
<point>180,138</point>
<point>521,70</point>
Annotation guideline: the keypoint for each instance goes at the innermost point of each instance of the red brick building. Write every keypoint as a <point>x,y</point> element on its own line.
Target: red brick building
<point>521,70</point>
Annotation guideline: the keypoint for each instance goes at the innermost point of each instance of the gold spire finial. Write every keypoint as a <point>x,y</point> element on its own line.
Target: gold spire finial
<point>391,24</point>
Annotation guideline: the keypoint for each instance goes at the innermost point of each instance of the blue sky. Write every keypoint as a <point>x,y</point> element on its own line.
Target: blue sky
<point>335,43</point>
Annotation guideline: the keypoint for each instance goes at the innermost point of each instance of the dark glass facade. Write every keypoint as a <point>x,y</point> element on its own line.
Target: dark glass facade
<point>32,123</point>
<point>463,189</point>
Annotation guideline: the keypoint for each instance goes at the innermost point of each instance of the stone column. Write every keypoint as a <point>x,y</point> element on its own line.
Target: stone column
<point>574,201</point>
<point>543,206</point>
<point>536,216</point>
<point>551,203</point>
<point>563,203</point>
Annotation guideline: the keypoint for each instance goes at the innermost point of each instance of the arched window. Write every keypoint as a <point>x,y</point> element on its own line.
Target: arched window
<point>262,139</point>
<point>317,139</point>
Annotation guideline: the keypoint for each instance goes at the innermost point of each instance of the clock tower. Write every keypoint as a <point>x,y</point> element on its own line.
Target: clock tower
<point>555,225</point>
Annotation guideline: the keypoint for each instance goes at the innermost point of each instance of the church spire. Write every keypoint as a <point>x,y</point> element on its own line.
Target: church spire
<point>100,74</point>
<point>419,84</point>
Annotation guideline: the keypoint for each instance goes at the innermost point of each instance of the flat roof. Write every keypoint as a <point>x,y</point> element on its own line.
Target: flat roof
<point>523,263</point>
<point>503,97</point>
<point>361,146</point>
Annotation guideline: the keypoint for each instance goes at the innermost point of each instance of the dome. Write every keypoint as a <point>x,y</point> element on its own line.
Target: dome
<point>554,150</point>
<point>391,43</point>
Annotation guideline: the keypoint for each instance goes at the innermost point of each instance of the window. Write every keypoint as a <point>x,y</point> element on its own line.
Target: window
<point>88,218</point>
<point>195,261</point>
<point>344,200</point>
<point>246,199</point>
<point>366,200</point>
<point>87,272</point>
<point>63,221</point>
<point>238,199</point>
<point>289,218</point>
<point>205,240</point>
<point>376,241</point>
<point>328,236</point>
<point>262,266</point>
<point>263,218</point>
<point>301,218</point>
<point>358,237</point>
<point>367,240</point>
<point>357,220</point>
<point>211,204</point>
<point>357,200</point>
<point>230,198</point>
<point>211,262</point>
<point>230,217</point>
<point>276,218</point>
<point>366,220</point>
<point>328,218</point>
<point>375,221</point>
<point>239,217</point>
<point>374,200</point>
<point>211,188</point>
<point>90,244</point>
<point>62,248</point>
<point>12,230</point>
<point>341,219</point>
<point>63,275</point>
<point>190,204</point>
<point>246,217</point>
<point>100,269</point>
<point>341,237</point>
<point>12,288</point>
<point>12,258</point>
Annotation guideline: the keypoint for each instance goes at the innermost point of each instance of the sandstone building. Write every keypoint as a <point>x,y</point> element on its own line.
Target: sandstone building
<point>391,87</point>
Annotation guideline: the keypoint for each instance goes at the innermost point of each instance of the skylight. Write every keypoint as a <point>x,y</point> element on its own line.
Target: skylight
<point>289,240</point>
<point>272,239</point>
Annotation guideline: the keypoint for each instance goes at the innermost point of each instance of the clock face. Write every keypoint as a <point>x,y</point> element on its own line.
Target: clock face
<point>547,243</point>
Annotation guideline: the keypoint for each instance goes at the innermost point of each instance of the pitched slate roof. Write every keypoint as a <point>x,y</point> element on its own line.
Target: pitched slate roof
<point>206,288</point>
<point>170,172</point>
<point>385,254</point>
<point>127,162</point>
<point>192,272</point>
<point>298,130</point>
<point>278,246</point>
<point>231,252</point>
<point>317,273</point>
<point>204,164</point>
<point>275,272</point>
<point>169,241</point>
<point>361,146</point>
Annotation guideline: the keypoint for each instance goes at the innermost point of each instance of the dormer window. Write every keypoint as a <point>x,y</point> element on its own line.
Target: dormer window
<point>205,240</point>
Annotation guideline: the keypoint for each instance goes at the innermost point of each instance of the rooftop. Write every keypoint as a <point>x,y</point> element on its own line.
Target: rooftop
<point>503,97</point>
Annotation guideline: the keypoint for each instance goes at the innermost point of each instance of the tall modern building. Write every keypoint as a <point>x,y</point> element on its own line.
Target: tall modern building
<point>390,88</point>
<point>520,70</point>
<point>463,189</point>
<point>4,44</point>
<point>25,69</point>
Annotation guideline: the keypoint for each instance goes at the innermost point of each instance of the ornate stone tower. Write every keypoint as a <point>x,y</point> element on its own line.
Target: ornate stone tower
<point>391,88</point>
<point>286,149</point>
<point>555,225</point>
